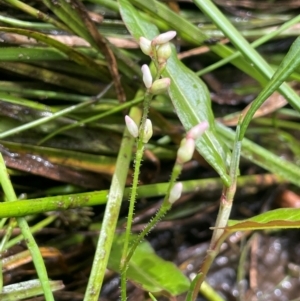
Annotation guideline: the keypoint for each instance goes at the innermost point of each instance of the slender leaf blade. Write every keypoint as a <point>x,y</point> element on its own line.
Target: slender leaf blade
<point>290,62</point>
<point>27,289</point>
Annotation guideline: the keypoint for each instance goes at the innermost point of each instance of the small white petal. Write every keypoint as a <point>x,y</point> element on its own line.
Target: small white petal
<point>145,45</point>
<point>148,132</point>
<point>147,77</point>
<point>164,37</point>
<point>186,150</point>
<point>131,126</point>
<point>175,193</point>
<point>196,131</point>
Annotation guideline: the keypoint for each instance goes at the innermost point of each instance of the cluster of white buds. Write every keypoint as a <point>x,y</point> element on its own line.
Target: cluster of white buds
<point>188,144</point>
<point>160,44</point>
<point>134,130</point>
<point>160,49</point>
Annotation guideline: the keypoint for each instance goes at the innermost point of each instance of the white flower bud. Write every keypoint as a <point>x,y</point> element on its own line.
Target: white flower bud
<point>131,126</point>
<point>145,45</point>
<point>148,131</point>
<point>175,193</point>
<point>186,150</point>
<point>196,131</point>
<point>160,85</point>
<point>164,51</point>
<point>147,77</point>
<point>164,38</point>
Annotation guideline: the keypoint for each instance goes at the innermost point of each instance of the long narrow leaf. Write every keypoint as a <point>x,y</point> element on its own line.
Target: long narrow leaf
<point>290,62</point>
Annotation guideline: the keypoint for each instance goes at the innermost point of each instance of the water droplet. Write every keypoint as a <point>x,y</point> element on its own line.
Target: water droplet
<point>278,292</point>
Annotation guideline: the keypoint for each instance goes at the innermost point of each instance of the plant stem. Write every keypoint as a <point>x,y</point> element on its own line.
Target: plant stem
<point>219,233</point>
<point>137,166</point>
<point>69,201</point>
<point>28,238</point>
<point>164,208</point>
<point>55,115</point>
<point>255,44</point>
<point>91,119</point>
<point>110,216</point>
<point>37,14</point>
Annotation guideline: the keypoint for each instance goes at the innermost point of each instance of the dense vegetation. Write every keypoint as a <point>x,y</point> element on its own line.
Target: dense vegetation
<point>71,71</point>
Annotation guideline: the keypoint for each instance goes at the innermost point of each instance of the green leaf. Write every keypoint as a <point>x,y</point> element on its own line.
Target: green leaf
<point>66,51</point>
<point>284,218</point>
<point>290,62</point>
<point>188,93</point>
<point>192,34</point>
<point>137,26</point>
<point>148,270</point>
<point>191,100</point>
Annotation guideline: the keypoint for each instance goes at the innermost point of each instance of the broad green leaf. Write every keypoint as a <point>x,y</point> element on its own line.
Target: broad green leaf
<point>192,34</point>
<point>188,93</point>
<point>284,218</point>
<point>26,289</point>
<point>148,270</point>
<point>137,26</point>
<point>191,100</point>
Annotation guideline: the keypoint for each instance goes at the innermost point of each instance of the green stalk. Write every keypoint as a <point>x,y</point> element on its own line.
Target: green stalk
<point>111,214</point>
<point>53,116</point>
<point>27,235</point>
<point>137,167</point>
<point>6,237</point>
<point>164,208</point>
<point>69,201</point>
<point>26,24</point>
<point>226,202</point>
<point>33,229</point>
<point>37,14</point>
<point>93,118</point>
<point>255,44</point>
<point>15,88</point>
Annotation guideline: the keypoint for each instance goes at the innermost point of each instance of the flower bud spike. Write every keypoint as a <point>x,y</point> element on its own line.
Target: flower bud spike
<point>148,131</point>
<point>131,126</point>
<point>147,77</point>
<point>160,85</point>
<point>186,150</point>
<point>145,45</point>
<point>164,38</point>
<point>197,131</point>
<point>175,193</point>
